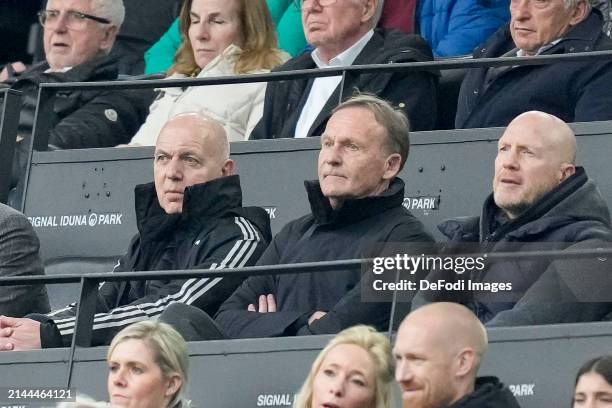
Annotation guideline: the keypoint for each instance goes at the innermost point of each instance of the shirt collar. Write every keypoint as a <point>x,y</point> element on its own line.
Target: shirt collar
<point>346,57</point>
<point>521,53</point>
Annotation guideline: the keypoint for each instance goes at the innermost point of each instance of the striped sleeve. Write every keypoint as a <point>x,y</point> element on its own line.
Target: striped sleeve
<point>229,247</point>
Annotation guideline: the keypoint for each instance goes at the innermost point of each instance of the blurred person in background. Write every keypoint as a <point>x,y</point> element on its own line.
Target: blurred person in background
<point>219,38</point>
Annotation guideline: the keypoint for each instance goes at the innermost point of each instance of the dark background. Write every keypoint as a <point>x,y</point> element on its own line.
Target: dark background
<point>16,17</point>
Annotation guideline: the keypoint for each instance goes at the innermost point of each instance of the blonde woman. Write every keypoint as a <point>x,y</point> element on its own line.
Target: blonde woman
<point>219,38</point>
<point>354,370</point>
<point>148,365</point>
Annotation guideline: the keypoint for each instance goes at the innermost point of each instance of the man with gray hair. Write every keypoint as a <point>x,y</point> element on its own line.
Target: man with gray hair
<point>342,34</point>
<point>190,217</point>
<point>572,91</point>
<point>78,35</point>
<point>356,205</point>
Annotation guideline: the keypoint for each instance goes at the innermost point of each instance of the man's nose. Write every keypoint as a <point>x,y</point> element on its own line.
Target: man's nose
<point>520,9</point>
<point>311,5</point>
<point>403,372</point>
<point>174,169</point>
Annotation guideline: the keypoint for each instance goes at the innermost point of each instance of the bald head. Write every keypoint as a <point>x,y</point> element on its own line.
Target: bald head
<point>554,132</point>
<point>438,350</point>
<point>535,154</point>
<point>191,149</point>
<point>451,326</point>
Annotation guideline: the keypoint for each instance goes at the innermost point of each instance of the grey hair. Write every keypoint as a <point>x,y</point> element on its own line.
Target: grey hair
<point>110,9</point>
<point>394,121</point>
<point>573,3</point>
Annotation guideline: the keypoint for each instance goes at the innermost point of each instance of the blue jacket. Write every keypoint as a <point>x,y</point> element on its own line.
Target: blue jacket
<point>456,27</point>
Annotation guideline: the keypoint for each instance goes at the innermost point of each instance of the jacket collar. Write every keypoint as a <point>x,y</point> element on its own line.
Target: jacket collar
<point>201,201</point>
<point>538,210</point>
<point>98,69</point>
<point>587,31</point>
<point>352,210</point>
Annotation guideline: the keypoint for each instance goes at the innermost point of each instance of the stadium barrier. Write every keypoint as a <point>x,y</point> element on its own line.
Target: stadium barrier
<point>537,362</point>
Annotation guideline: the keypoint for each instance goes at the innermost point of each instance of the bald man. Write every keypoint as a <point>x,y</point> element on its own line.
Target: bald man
<point>438,350</point>
<point>191,217</point>
<point>541,201</point>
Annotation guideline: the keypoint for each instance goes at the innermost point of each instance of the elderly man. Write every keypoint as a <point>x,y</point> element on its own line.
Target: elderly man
<point>342,33</point>
<point>438,351</point>
<point>190,217</point>
<point>356,203</point>
<point>572,91</point>
<point>78,35</point>
<point>541,201</point>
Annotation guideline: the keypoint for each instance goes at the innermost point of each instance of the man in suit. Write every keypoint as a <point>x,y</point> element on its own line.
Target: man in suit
<point>342,33</point>
<point>19,257</point>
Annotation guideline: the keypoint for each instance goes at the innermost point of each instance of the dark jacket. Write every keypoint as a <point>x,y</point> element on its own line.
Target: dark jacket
<point>19,256</point>
<point>84,118</point>
<point>324,235</point>
<point>572,91</point>
<point>413,92</point>
<point>573,215</point>
<point>214,231</point>
<point>489,393</point>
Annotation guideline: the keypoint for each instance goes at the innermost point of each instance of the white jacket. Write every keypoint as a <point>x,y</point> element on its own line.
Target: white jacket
<point>237,106</point>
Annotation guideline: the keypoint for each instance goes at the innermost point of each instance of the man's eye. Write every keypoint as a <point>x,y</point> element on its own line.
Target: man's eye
<point>353,146</point>
<point>218,21</point>
<point>191,160</point>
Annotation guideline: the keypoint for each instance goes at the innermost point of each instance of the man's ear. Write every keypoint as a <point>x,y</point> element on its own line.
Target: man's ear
<point>392,166</point>
<point>228,168</point>
<point>567,170</point>
<point>108,39</point>
<point>466,361</point>
<point>580,12</point>
<point>369,10</point>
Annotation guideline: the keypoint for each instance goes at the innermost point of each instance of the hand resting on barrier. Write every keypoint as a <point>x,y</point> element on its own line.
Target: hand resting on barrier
<point>18,334</point>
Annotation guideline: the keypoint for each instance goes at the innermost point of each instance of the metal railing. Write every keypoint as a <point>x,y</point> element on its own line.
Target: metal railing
<point>89,284</point>
<point>47,91</point>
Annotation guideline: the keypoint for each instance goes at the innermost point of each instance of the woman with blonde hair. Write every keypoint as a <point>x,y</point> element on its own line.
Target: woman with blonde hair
<point>354,370</point>
<point>148,365</point>
<point>218,38</point>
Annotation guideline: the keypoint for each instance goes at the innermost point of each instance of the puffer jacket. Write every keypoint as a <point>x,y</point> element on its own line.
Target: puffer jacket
<point>544,291</point>
<point>214,231</point>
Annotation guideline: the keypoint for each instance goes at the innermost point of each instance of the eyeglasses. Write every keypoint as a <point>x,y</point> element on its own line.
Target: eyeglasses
<point>75,20</point>
<point>299,4</point>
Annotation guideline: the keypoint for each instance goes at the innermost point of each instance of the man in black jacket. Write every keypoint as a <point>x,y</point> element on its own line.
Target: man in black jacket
<point>190,217</point>
<point>343,34</point>
<point>572,91</point>
<point>78,36</point>
<point>356,204</point>
<point>438,351</point>
<point>541,201</point>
